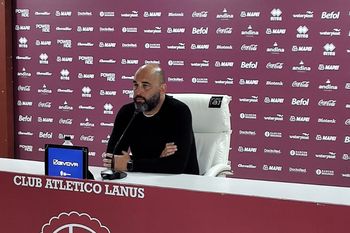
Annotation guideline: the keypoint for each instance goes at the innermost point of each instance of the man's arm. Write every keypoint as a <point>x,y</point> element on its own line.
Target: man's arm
<point>181,134</point>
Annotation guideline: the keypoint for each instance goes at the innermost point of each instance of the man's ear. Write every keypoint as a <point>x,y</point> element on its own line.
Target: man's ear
<point>163,88</point>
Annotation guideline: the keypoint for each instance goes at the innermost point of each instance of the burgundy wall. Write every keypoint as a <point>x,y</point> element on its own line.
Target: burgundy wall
<point>284,64</point>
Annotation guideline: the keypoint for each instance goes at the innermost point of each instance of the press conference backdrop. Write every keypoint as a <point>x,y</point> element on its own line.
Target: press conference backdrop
<point>286,65</point>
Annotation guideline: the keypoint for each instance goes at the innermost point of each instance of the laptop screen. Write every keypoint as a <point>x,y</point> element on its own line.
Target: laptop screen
<point>66,161</point>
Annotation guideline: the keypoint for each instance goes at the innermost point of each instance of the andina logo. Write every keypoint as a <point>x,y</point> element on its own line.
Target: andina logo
<point>74,222</point>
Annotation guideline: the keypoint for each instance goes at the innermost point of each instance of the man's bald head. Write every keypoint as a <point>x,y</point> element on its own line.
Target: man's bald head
<point>152,71</point>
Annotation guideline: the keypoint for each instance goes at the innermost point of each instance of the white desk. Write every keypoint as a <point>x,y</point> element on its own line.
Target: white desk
<point>266,189</point>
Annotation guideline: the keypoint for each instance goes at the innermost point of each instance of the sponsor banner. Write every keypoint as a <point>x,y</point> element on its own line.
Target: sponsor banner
<point>48,213</point>
<point>286,75</point>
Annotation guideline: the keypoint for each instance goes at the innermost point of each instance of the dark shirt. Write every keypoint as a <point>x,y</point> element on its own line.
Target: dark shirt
<point>147,136</point>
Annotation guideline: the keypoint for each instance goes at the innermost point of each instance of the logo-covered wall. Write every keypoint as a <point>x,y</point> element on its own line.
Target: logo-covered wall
<point>285,66</point>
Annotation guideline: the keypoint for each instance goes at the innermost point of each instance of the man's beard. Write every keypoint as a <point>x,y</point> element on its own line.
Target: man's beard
<point>147,105</point>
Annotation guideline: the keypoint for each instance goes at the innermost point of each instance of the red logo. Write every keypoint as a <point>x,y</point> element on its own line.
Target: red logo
<point>74,222</point>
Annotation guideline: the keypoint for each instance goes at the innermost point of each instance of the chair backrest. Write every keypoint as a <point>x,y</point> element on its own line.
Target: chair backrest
<point>211,125</point>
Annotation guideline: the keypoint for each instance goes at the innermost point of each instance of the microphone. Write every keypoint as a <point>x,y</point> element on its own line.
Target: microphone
<point>112,174</point>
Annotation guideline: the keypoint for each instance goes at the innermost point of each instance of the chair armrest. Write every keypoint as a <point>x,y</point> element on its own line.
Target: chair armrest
<point>217,169</point>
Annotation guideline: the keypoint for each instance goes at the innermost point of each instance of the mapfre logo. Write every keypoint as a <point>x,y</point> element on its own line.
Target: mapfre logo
<point>74,222</point>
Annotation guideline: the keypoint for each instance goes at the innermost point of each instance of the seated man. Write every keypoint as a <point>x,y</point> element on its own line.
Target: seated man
<point>160,137</point>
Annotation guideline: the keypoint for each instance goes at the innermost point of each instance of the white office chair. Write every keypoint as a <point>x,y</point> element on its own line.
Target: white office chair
<point>212,130</point>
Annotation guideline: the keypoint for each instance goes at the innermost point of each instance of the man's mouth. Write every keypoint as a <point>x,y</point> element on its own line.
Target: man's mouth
<point>139,99</point>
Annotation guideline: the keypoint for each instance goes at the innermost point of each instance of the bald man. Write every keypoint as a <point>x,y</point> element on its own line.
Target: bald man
<point>160,139</point>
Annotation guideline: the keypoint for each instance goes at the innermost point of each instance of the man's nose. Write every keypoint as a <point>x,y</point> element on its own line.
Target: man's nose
<point>139,91</point>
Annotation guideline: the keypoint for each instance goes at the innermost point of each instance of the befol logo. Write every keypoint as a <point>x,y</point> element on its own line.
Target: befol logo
<point>249,65</point>
<point>25,118</point>
<point>347,139</point>
<point>330,15</point>
<point>200,31</point>
<point>300,102</point>
<point>45,135</point>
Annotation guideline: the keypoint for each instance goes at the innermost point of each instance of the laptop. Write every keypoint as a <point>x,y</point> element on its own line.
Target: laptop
<point>66,161</point>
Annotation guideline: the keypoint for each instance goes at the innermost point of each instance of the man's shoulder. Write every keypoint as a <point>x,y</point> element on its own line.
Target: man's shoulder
<point>176,104</point>
<point>127,108</point>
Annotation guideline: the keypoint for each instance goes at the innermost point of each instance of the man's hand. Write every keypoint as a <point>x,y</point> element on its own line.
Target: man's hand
<point>107,159</point>
<point>120,161</point>
<point>170,149</point>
